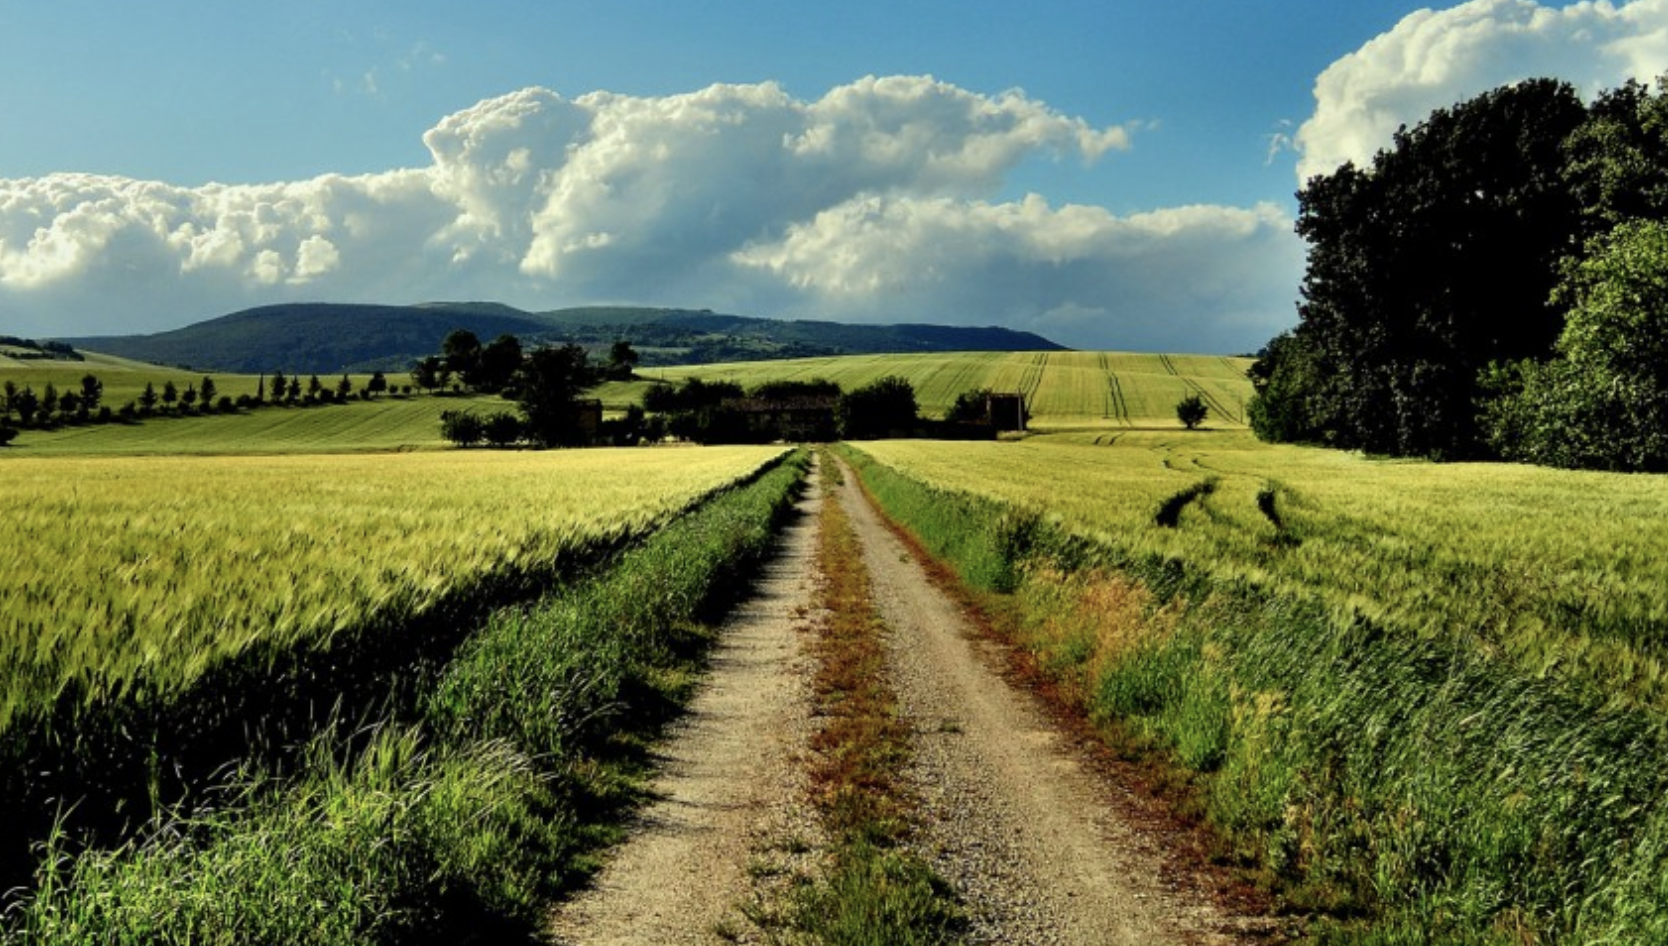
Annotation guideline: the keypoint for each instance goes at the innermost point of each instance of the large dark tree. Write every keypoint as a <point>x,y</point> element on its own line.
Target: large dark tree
<point>1423,269</point>
<point>462,353</point>
<point>883,408</point>
<point>547,388</point>
<point>499,362</point>
<point>622,361</point>
<point>425,372</point>
<point>92,392</point>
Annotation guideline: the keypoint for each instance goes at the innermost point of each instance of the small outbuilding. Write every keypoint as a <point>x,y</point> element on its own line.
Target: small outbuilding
<point>796,419</point>
<point>1005,411</point>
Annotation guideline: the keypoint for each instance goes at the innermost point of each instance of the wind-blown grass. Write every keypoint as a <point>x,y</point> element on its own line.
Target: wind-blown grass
<point>1392,766</point>
<point>176,616</point>
<point>132,577</point>
<point>1565,573</point>
<point>453,826</point>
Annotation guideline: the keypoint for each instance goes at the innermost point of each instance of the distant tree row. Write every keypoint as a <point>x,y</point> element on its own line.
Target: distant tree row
<point>28,348</point>
<point>549,386</point>
<point>545,384</point>
<point>1490,286</point>
<point>25,408</point>
<point>722,412</point>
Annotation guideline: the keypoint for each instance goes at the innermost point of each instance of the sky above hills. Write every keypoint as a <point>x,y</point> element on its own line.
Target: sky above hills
<point>1111,175</point>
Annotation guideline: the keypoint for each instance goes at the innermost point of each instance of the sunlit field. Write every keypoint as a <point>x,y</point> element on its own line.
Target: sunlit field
<point>1112,390</point>
<point>382,424</point>
<point>1562,570</point>
<point>1425,702</point>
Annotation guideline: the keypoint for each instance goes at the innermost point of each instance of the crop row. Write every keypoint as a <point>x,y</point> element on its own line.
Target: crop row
<point>1375,752</point>
<point>1060,387</point>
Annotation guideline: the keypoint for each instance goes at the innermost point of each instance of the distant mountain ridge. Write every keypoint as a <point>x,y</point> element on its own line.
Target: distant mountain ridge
<point>324,338</point>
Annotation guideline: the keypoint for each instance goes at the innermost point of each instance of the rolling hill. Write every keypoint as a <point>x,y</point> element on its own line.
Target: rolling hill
<point>328,338</point>
<point>313,338</point>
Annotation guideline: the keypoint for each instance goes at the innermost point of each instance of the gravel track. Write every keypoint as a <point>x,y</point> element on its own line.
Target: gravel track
<point>1041,846</point>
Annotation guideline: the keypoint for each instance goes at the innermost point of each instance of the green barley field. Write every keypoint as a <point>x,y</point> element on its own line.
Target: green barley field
<point>385,424</point>
<point>457,643</point>
<point>1565,571</point>
<point>138,573</point>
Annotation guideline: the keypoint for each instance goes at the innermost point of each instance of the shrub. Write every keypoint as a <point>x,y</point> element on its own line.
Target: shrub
<point>1191,411</point>
<point>501,429</point>
<point>463,428</point>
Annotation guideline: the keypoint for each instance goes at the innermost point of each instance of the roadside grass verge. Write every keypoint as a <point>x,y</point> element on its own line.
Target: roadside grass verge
<point>459,823</point>
<point>876,891</point>
<point>1392,785</point>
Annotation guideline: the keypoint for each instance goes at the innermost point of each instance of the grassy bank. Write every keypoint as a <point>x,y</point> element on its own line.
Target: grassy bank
<point>1402,783</point>
<point>452,823</point>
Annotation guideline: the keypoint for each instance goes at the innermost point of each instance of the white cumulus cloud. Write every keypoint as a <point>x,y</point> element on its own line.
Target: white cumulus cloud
<point>1186,278</point>
<point>876,202</point>
<point>1433,59</point>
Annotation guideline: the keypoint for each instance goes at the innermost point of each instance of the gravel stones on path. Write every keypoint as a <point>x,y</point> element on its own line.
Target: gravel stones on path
<point>1040,846</point>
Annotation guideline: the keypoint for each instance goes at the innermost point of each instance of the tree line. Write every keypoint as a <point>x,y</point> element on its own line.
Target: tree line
<point>545,385</point>
<point>23,408</point>
<point>548,390</point>
<point>1493,285</point>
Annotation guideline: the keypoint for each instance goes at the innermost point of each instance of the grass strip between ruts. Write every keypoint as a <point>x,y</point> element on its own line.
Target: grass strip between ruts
<point>876,891</point>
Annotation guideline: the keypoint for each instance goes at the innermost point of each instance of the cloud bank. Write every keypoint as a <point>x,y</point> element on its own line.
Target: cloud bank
<point>876,202</point>
<point>1433,59</point>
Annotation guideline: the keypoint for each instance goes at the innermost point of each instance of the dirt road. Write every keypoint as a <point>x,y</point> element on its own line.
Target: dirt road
<point>1034,842</point>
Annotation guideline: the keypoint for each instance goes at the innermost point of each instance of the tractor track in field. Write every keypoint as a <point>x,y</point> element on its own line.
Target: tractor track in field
<point>1041,846</point>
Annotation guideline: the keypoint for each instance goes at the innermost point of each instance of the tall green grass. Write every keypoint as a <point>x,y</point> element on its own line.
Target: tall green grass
<point>453,823</point>
<point>1405,786</point>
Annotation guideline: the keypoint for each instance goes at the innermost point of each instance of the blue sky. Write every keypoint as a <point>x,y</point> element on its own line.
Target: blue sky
<point>1110,174</point>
